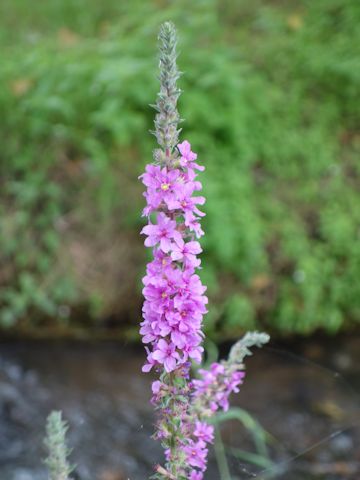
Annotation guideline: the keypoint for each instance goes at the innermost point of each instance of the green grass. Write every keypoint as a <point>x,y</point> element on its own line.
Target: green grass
<point>270,102</point>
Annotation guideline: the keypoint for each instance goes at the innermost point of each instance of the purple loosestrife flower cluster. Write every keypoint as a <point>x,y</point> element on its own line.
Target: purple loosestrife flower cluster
<point>174,296</point>
<point>175,300</point>
<point>215,386</point>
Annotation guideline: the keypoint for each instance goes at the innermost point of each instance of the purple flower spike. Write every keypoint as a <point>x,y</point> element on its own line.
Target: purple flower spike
<point>174,295</point>
<point>175,301</point>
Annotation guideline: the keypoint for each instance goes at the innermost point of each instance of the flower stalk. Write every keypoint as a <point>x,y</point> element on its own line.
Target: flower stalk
<point>175,301</point>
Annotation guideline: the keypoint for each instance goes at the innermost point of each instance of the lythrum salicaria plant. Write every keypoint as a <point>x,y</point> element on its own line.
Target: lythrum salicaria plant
<point>55,442</point>
<point>175,300</point>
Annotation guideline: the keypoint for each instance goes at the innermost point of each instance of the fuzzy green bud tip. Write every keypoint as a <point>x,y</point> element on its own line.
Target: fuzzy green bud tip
<point>55,442</point>
<point>167,117</point>
<point>241,349</point>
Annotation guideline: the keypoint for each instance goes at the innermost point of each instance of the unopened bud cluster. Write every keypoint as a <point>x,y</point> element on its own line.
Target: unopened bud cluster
<point>167,117</point>
<point>55,442</point>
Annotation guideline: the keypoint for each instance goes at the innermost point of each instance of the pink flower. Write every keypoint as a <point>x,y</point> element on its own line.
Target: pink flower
<point>158,178</point>
<point>187,156</point>
<point>193,352</point>
<point>163,186</point>
<point>195,475</point>
<point>186,251</point>
<point>156,386</point>
<point>205,432</point>
<point>196,454</point>
<point>185,150</point>
<point>147,332</point>
<point>235,380</point>
<point>193,224</point>
<point>162,232</point>
<point>166,354</point>
<point>150,362</point>
<point>185,202</point>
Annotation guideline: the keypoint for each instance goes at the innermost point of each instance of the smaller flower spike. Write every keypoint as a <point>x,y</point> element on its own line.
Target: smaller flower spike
<point>55,442</point>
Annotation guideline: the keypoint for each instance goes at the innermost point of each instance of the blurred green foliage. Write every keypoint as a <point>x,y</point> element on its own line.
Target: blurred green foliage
<point>271,105</point>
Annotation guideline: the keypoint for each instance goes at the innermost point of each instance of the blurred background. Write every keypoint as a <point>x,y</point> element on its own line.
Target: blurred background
<point>270,103</point>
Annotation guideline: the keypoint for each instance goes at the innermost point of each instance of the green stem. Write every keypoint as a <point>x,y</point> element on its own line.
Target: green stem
<point>221,456</point>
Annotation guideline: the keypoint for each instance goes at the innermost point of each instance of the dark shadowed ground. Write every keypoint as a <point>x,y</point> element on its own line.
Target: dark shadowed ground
<point>305,394</point>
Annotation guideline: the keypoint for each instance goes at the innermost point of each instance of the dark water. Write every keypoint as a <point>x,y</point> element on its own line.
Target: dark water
<point>306,395</point>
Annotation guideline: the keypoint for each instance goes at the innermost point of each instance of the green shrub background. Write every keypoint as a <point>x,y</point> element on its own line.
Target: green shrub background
<point>271,102</point>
